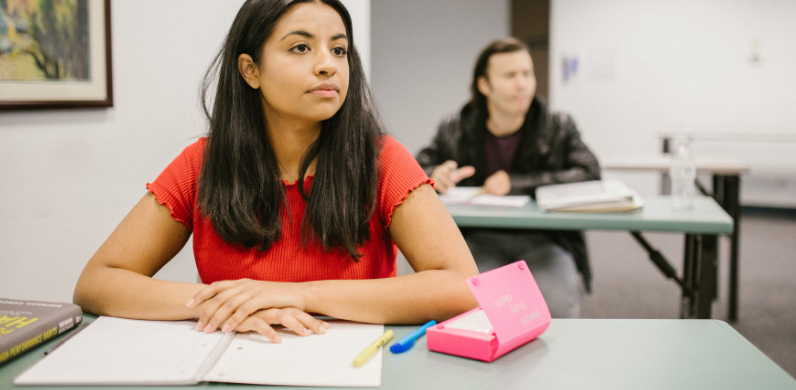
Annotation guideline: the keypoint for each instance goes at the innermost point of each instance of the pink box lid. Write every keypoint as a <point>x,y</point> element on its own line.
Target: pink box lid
<point>513,303</point>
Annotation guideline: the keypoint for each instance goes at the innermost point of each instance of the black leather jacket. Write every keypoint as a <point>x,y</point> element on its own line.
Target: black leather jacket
<point>550,152</point>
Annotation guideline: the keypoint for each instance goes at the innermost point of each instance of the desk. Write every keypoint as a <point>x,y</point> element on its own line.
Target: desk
<point>572,354</point>
<point>726,176</point>
<point>701,226</point>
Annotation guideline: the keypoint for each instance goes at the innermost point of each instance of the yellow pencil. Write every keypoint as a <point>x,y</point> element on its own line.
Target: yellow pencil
<point>478,192</point>
<point>372,348</point>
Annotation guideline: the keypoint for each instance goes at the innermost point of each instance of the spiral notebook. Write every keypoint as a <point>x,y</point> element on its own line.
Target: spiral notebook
<point>115,351</point>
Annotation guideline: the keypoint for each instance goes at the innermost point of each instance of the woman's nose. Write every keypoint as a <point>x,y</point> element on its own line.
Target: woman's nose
<point>325,65</point>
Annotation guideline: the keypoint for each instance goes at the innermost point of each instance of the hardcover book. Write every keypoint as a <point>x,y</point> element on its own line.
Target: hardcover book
<point>595,196</point>
<point>26,324</point>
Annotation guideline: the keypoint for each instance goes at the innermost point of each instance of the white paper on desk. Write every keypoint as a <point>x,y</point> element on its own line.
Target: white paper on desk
<point>115,351</point>
<point>502,201</point>
<point>316,360</point>
<point>459,195</point>
<point>475,196</point>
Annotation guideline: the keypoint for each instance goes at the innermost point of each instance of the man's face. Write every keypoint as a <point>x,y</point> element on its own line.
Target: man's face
<point>510,83</point>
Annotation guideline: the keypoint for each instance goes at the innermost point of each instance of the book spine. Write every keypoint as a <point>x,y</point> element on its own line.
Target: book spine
<point>20,334</point>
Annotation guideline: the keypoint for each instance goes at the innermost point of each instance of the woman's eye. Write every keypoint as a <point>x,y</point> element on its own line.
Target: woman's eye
<point>339,51</point>
<point>302,48</point>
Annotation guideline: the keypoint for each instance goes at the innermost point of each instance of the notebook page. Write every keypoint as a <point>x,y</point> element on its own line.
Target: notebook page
<point>315,360</point>
<point>502,201</point>
<point>459,195</point>
<point>117,351</point>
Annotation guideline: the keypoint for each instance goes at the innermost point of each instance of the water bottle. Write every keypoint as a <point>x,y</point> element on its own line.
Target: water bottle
<point>682,174</point>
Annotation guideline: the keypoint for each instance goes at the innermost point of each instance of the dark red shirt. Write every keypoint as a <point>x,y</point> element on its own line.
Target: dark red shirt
<point>500,151</point>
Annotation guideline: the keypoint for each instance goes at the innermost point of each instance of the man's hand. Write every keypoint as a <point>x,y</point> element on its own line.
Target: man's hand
<point>447,175</point>
<point>498,184</point>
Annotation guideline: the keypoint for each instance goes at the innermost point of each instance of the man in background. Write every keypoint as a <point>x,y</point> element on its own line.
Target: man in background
<point>507,141</point>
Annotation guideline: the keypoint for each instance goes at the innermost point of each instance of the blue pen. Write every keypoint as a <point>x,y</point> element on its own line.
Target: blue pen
<point>408,341</point>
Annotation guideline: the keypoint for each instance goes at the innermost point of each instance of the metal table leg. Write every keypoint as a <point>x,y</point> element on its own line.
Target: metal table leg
<point>706,275</point>
<point>732,204</point>
<point>699,272</point>
<point>686,302</point>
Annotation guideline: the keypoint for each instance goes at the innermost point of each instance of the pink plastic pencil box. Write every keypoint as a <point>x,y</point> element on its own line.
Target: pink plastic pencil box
<point>512,312</point>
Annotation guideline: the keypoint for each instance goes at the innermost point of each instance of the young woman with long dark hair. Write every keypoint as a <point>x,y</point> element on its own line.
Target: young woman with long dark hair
<point>296,199</point>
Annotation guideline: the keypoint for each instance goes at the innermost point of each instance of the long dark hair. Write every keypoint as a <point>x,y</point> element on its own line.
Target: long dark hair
<point>505,45</point>
<point>240,187</point>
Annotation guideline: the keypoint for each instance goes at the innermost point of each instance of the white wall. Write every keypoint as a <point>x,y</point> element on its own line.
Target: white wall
<point>647,67</point>
<point>68,177</point>
<point>423,57</point>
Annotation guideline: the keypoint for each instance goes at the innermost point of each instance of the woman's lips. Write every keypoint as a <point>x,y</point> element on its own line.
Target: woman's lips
<point>325,90</point>
<point>324,93</point>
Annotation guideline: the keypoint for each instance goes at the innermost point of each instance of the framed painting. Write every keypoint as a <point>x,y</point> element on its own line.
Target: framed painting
<point>55,54</point>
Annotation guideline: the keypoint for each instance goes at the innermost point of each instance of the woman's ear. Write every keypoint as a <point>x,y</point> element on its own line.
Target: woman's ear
<point>483,85</point>
<point>248,69</point>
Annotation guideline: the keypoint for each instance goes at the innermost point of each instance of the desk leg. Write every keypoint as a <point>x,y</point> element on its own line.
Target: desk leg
<point>720,196</point>
<point>732,193</point>
<point>686,302</point>
<point>708,261</point>
<point>699,272</point>
<point>727,193</point>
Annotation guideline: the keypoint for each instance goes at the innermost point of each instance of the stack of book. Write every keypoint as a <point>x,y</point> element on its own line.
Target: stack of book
<point>596,196</point>
<point>26,324</point>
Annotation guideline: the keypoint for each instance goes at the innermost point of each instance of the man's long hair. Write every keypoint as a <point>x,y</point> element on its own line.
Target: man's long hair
<point>477,104</point>
<point>240,187</point>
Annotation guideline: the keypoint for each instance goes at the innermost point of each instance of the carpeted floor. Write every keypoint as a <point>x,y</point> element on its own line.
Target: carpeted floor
<point>627,285</point>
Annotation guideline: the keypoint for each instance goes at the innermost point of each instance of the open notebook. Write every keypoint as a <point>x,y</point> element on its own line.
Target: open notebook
<point>116,351</point>
<point>475,196</point>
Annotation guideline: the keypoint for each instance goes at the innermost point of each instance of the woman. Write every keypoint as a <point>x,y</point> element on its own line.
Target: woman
<point>296,199</point>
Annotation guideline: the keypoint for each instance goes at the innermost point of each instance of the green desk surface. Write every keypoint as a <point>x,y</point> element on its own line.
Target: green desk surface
<point>572,354</point>
<point>706,217</point>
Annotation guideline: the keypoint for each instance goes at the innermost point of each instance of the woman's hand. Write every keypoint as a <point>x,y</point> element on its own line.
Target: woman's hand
<point>291,318</point>
<point>226,304</point>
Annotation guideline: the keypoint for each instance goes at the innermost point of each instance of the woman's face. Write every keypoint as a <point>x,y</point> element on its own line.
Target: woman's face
<point>304,68</point>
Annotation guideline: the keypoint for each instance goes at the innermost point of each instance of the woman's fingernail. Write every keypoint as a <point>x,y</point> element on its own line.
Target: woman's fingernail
<point>208,329</point>
<point>199,326</point>
<point>326,325</point>
<point>190,303</point>
<point>277,339</point>
<point>226,328</point>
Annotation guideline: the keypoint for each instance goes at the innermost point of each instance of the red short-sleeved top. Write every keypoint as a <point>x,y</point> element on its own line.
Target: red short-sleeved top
<point>287,260</point>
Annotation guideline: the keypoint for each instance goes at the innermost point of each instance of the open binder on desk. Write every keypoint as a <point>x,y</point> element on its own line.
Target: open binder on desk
<point>115,351</point>
<point>596,196</point>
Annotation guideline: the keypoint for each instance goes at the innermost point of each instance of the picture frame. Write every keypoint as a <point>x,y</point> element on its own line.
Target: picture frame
<point>55,54</point>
